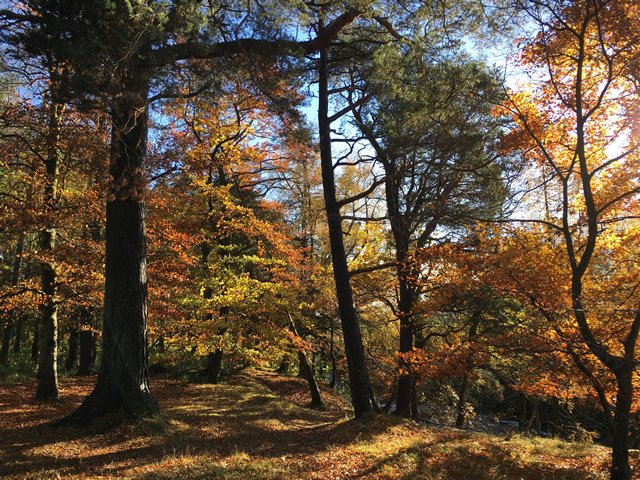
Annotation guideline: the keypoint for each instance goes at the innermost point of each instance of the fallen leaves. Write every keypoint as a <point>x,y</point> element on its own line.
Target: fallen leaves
<point>258,426</point>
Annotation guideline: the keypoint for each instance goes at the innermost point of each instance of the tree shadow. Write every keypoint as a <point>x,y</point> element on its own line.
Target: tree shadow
<point>444,457</point>
<point>238,415</point>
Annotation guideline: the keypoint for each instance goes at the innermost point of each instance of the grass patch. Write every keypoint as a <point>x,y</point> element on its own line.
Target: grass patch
<point>257,426</point>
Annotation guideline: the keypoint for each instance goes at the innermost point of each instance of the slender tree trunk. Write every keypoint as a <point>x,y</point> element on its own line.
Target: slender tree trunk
<point>405,379</point>
<point>314,391</point>
<point>48,339</point>
<point>301,368</point>
<point>306,371</point>
<point>87,348</point>
<point>620,468</point>
<point>72,352</point>
<point>402,235</point>
<point>359,382</point>
<point>123,378</point>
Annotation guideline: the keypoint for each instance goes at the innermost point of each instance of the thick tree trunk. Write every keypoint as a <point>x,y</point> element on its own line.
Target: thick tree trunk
<point>359,382</point>
<point>123,378</point>
<point>214,365</point>
<point>72,352</point>
<point>87,349</point>
<point>620,468</point>
<point>48,339</point>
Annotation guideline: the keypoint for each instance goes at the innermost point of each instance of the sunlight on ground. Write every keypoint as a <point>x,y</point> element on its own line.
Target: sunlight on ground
<point>244,429</point>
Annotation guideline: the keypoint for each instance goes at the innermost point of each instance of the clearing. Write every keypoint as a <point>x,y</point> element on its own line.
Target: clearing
<point>256,426</point>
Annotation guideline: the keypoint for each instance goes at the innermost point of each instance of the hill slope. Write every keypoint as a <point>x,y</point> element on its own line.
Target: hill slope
<point>257,426</point>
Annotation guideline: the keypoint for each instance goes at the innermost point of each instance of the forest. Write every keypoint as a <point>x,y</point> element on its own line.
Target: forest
<point>354,239</point>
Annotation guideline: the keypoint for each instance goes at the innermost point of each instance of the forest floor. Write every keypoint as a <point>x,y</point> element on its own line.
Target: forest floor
<point>257,426</point>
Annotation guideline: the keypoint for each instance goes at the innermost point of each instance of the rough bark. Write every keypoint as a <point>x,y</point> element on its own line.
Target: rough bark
<point>462,401</point>
<point>359,382</point>
<point>620,468</point>
<point>123,378</point>
<point>402,237</point>
<point>301,368</point>
<point>47,388</point>
<point>405,379</point>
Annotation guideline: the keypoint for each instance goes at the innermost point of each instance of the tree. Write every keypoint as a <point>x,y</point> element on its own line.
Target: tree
<point>230,158</point>
<point>145,40</point>
<point>359,383</point>
<point>430,125</point>
<point>575,122</point>
<point>48,344</point>
<point>33,206</point>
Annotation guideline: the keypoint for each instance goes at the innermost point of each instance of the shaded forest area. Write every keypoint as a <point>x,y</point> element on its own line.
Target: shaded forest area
<point>422,215</point>
<point>258,425</point>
